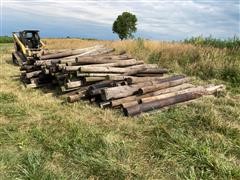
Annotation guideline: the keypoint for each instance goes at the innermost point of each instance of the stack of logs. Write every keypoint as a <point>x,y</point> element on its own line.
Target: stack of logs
<point>111,80</point>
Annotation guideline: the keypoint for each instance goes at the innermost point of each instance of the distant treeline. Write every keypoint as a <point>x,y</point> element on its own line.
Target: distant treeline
<point>230,43</point>
<point>6,39</point>
<point>89,39</point>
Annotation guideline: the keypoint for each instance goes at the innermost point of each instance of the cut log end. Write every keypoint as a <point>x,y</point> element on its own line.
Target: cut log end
<point>132,110</point>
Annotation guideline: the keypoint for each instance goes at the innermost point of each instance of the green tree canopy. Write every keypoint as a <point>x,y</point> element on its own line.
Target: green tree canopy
<point>125,25</point>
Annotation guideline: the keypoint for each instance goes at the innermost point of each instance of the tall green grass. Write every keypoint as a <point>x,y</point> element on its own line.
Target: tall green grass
<point>230,43</point>
<point>204,62</point>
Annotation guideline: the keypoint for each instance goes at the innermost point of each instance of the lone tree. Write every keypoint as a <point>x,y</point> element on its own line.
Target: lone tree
<point>125,25</point>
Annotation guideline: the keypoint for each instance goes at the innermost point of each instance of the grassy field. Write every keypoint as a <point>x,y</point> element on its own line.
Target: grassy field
<point>43,137</point>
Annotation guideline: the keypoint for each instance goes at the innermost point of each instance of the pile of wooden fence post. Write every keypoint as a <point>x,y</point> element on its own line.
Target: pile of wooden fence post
<point>111,80</point>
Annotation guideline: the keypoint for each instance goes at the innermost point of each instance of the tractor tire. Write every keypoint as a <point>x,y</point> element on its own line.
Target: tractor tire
<point>18,58</point>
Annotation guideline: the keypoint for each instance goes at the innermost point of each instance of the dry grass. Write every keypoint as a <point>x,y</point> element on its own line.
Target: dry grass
<point>70,43</point>
<point>42,137</point>
<point>203,62</point>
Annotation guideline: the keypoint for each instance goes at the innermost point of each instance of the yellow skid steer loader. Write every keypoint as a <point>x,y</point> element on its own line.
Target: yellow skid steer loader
<point>28,46</point>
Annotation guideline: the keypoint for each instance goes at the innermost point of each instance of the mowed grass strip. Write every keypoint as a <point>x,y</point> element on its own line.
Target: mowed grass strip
<point>42,137</point>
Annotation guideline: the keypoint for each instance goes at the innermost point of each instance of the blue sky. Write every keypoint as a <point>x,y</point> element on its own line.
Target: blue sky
<point>157,19</point>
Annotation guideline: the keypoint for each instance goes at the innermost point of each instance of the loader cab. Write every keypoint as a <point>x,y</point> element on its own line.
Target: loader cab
<point>30,39</point>
<point>27,45</point>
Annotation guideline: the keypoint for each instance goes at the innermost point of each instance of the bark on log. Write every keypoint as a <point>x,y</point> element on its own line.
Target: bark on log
<point>185,95</point>
<point>127,70</point>
<point>151,66</point>
<point>93,60</point>
<point>92,66</point>
<point>28,68</point>
<point>172,89</point>
<point>75,97</point>
<point>68,53</point>
<point>82,89</point>
<point>128,90</point>
<point>133,80</point>
<point>163,85</point>
<point>44,62</point>
<point>129,62</point>
<point>67,60</point>
<point>53,51</point>
<point>99,59</point>
<point>129,104</point>
<point>74,84</point>
<point>145,107</point>
<point>123,91</point>
<point>98,52</point>
<point>79,74</point>
<point>117,78</point>
<point>61,77</point>
<point>33,74</point>
<point>118,102</point>
<point>134,71</point>
<point>60,66</point>
<point>198,89</point>
<point>71,68</point>
<point>93,79</point>
<point>64,89</point>
<point>148,75</point>
<point>119,83</point>
<point>155,71</point>
<point>117,92</point>
<point>90,69</point>
<point>106,83</point>
<point>95,92</point>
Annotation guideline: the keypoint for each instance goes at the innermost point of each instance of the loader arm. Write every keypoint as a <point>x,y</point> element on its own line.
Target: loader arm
<point>23,48</point>
<point>42,43</point>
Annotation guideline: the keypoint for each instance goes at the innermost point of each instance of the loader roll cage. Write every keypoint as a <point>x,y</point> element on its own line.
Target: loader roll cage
<point>28,46</point>
<point>30,38</point>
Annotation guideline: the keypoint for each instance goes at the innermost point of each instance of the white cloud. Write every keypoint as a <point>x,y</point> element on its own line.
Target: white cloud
<point>181,18</point>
